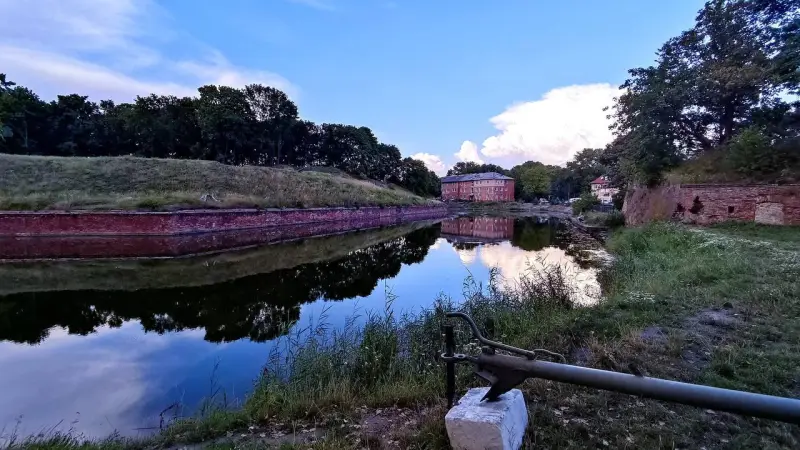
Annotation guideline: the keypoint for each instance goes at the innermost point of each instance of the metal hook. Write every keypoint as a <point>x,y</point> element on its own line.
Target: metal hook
<point>530,354</point>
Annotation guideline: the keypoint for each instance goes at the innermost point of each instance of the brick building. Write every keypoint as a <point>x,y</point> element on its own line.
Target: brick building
<point>479,187</point>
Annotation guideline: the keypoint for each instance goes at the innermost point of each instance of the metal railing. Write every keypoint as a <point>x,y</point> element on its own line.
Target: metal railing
<point>504,372</point>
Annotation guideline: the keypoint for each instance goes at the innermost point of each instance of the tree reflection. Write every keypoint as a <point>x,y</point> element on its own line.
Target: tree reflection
<point>254,307</point>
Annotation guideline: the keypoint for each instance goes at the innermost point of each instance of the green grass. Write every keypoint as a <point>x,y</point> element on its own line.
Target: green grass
<point>39,183</point>
<point>606,219</point>
<point>664,275</point>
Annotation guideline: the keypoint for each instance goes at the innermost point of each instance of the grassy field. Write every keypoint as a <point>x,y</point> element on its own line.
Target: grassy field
<point>36,183</point>
<point>717,306</point>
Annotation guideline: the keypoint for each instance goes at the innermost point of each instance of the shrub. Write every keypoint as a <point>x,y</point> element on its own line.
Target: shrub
<point>585,203</point>
<point>610,219</point>
<point>752,152</point>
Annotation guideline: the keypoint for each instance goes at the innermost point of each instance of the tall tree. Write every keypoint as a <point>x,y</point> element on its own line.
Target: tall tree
<point>707,84</point>
<point>274,115</point>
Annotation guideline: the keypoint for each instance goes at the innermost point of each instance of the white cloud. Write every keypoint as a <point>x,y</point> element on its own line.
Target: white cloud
<point>469,152</point>
<point>432,162</point>
<point>552,129</point>
<point>109,49</point>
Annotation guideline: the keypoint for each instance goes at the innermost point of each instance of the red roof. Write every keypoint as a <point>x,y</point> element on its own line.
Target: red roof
<point>599,180</point>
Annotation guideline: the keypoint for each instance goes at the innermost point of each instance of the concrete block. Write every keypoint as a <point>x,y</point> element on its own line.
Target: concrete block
<point>476,425</point>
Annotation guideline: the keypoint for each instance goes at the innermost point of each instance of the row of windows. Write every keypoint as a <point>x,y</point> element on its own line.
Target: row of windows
<point>496,189</point>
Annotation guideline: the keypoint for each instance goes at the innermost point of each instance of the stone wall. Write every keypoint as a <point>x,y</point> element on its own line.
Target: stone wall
<point>134,223</point>
<point>713,203</point>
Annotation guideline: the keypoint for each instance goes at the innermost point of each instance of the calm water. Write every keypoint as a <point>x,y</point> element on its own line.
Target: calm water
<point>104,346</point>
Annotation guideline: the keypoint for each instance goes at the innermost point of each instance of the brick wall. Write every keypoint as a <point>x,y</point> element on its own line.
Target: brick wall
<point>180,222</point>
<point>708,203</point>
<point>130,246</point>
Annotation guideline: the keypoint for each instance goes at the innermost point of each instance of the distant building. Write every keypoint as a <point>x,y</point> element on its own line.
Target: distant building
<point>479,187</point>
<point>602,190</point>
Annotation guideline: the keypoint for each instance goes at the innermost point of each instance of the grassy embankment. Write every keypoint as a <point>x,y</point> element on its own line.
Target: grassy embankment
<point>718,306</point>
<point>36,183</point>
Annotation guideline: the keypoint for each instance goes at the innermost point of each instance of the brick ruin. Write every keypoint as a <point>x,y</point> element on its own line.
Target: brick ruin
<point>705,204</point>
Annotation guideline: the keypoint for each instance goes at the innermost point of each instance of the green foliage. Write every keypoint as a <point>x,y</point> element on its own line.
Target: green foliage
<point>258,125</point>
<point>464,168</point>
<point>707,86</point>
<point>586,202</point>
<point>611,219</point>
<point>535,181</point>
<point>752,152</point>
<point>416,177</point>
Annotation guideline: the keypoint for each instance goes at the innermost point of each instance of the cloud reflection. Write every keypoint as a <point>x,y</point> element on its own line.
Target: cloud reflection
<point>513,263</point>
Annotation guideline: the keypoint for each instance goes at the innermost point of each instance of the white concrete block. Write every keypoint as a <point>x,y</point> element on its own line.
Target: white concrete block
<point>476,425</point>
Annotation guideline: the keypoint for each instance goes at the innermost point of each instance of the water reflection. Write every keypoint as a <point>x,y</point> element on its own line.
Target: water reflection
<point>118,341</point>
<point>253,307</point>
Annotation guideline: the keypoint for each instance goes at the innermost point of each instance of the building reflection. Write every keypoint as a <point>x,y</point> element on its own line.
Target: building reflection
<point>486,229</point>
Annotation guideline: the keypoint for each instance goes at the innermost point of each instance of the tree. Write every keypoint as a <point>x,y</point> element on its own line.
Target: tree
<point>707,85</point>
<point>417,178</point>
<point>535,182</point>
<point>224,119</point>
<point>273,115</point>
<point>72,123</point>
<point>464,168</point>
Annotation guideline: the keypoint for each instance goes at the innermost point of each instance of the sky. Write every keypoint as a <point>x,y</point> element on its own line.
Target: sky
<point>446,81</point>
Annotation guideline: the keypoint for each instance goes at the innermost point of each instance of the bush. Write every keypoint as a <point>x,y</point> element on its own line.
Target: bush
<point>752,152</point>
<point>610,219</point>
<point>585,203</point>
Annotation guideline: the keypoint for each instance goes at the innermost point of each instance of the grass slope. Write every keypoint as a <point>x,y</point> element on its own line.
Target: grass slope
<point>36,183</point>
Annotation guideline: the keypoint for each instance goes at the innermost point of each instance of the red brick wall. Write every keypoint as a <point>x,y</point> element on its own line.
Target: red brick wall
<point>60,247</point>
<point>469,190</point>
<point>179,222</point>
<point>707,204</point>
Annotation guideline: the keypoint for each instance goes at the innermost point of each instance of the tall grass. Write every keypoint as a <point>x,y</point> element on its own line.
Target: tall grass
<point>388,359</point>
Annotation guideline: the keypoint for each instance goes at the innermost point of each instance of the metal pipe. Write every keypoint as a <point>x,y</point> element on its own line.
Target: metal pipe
<point>745,403</point>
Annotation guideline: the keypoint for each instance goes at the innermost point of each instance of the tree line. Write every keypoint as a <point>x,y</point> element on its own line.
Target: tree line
<point>256,125</point>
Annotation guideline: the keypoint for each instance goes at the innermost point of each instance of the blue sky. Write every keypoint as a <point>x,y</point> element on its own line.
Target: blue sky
<point>500,81</point>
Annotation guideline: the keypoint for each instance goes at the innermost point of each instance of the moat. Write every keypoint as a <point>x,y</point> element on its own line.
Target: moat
<point>106,345</point>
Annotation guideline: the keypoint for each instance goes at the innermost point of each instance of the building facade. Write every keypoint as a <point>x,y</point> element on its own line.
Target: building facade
<point>478,187</point>
<point>602,190</point>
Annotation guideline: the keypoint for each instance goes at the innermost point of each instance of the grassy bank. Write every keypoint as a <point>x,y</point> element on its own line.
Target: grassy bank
<point>717,306</point>
<point>36,183</point>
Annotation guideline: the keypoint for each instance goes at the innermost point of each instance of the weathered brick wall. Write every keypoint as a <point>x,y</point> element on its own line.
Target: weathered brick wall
<point>138,246</point>
<point>709,203</point>
<point>85,223</point>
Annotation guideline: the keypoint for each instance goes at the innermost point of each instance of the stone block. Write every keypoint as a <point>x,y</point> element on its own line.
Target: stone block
<point>498,425</point>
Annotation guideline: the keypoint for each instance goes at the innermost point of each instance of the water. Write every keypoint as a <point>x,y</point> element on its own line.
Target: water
<point>99,346</point>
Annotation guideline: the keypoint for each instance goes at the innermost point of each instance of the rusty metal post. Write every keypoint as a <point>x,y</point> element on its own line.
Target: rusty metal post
<point>450,369</point>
